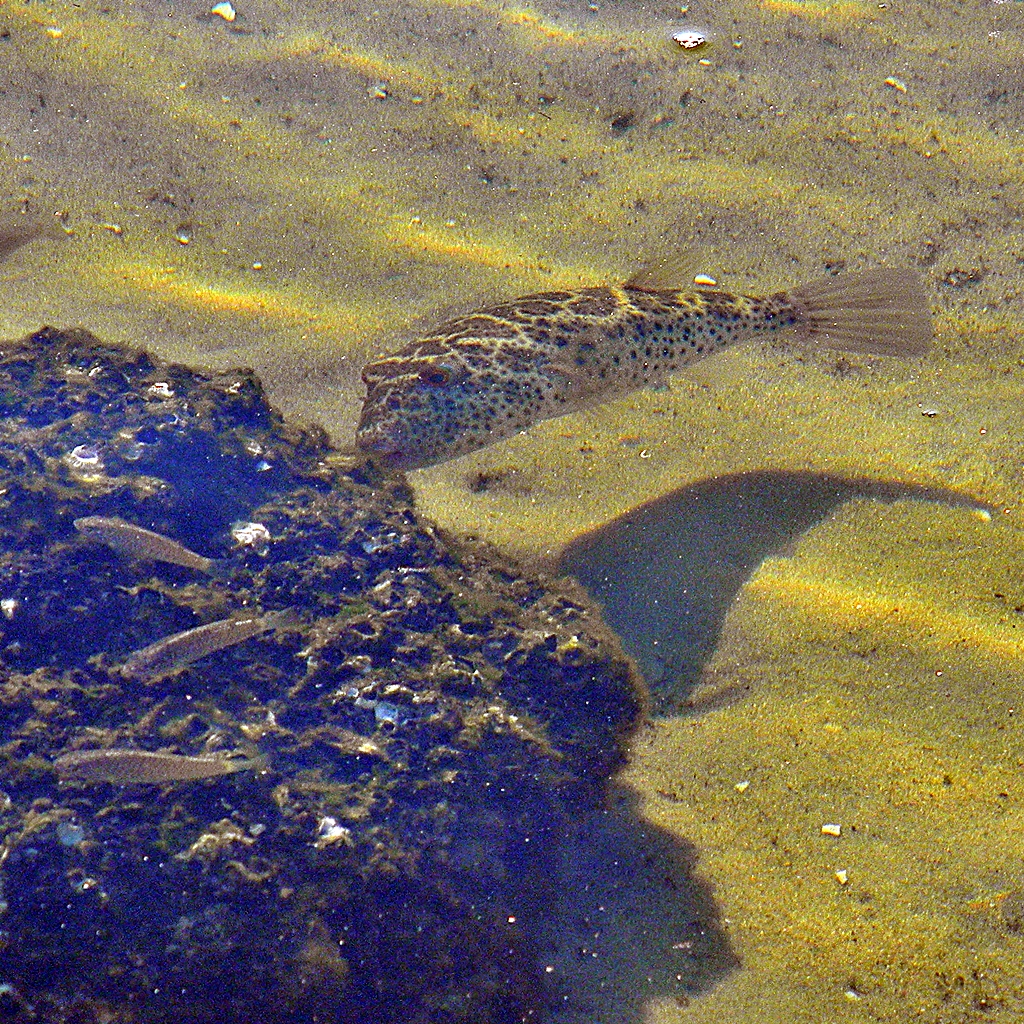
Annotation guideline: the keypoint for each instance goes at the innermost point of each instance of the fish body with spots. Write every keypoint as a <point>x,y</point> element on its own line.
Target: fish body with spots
<point>486,376</point>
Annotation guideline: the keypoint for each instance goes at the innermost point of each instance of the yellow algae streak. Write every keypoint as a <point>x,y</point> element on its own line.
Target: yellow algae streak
<point>841,12</point>
<point>192,294</point>
<point>536,26</point>
<point>904,737</point>
<point>445,244</point>
<point>914,621</point>
<point>530,20</point>
<point>362,61</point>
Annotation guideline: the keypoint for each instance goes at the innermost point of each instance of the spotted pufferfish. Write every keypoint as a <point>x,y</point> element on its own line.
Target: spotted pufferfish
<point>486,376</point>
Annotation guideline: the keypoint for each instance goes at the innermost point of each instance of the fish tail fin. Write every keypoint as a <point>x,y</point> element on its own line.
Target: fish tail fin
<point>241,762</point>
<point>284,618</point>
<point>881,312</point>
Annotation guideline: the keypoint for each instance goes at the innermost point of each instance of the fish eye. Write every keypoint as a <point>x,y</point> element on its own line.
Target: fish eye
<point>436,376</point>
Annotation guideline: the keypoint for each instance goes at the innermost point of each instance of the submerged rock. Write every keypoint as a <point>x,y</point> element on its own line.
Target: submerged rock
<point>424,730</point>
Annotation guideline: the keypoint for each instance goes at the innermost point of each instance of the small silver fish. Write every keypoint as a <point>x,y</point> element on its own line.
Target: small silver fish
<point>174,652</point>
<point>137,542</point>
<point>486,376</point>
<point>124,767</point>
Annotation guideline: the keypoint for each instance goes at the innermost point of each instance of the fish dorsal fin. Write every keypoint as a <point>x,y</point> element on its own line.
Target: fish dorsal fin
<point>670,273</point>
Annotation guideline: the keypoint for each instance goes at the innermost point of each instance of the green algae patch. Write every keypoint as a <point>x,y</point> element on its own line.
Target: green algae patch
<point>855,797</point>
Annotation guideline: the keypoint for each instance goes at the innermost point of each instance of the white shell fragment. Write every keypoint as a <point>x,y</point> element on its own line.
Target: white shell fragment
<point>223,10</point>
<point>84,456</point>
<point>831,830</point>
<point>247,535</point>
<point>689,38</point>
<point>704,280</point>
<point>330,832</point>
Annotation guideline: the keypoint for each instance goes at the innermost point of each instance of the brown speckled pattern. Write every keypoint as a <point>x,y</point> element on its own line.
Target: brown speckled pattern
<point>493,373</point>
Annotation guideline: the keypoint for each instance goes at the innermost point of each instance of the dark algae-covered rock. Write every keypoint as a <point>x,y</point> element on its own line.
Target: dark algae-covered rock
<point>360,803</point>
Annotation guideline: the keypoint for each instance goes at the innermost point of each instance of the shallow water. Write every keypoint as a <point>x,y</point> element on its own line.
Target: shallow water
<point>667,573</point>
<point>308,185</point>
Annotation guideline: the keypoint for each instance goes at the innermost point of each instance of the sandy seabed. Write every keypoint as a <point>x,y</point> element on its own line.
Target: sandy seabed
<point>309,185</point>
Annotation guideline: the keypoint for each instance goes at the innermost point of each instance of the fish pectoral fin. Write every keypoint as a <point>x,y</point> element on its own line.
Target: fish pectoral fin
<point>574,383</point>
<point>574,374</point>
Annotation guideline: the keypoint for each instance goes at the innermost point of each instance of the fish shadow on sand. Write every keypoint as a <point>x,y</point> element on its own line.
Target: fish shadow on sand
<point>633,919</point>
<point>666,573</point>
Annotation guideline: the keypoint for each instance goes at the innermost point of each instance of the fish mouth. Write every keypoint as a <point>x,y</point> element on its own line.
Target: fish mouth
<point>391,460</point>
<point>385,453</point>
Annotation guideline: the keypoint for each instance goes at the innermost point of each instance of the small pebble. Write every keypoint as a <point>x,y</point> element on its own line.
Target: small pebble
<point>842,876</point>
<point>689,38</point>
<point>384,711</point>
<point>741,787</point>
<point>223,10</point>
<point>705,280</point>
<point>831,830</point>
